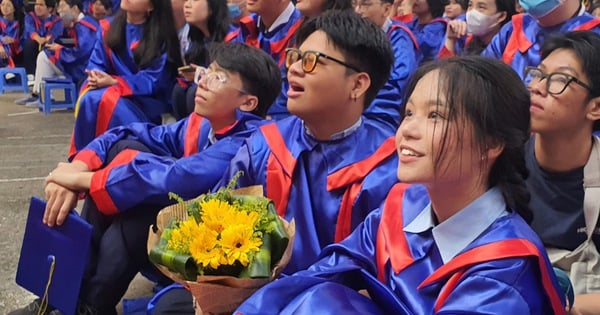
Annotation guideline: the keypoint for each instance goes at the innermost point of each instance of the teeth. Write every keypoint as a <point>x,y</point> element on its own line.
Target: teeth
<point>408,152</point>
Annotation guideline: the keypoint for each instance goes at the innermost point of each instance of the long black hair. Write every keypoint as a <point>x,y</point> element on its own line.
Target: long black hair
<point>218,27</point>
<point>159,35</point>
<point>493,99</point>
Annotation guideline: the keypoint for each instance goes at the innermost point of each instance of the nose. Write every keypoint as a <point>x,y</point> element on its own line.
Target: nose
<point>537,86</point>
<point>409,128</point>
<point>296,67</point>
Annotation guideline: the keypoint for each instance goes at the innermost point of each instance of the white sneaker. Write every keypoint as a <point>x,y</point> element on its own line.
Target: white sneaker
<point>30,79</point>
<point>9,76</point>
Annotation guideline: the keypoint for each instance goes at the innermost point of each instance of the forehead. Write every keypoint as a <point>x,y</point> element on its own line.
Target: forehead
<point>563,59</point>
<point>318,41</point>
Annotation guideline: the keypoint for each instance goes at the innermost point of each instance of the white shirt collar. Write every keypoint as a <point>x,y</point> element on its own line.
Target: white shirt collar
<point>386,25</point>
<point>458,231</point>
<point>338,135</point>
<point>283,18</point>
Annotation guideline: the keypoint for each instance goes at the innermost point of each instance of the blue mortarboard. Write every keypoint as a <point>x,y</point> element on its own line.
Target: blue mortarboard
<point>66,246</point>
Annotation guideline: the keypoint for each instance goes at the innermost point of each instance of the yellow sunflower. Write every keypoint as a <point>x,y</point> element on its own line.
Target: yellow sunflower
<point>237,242</point>
<point>216,214</point>
<point>181,236</point>
<point>204,249</point>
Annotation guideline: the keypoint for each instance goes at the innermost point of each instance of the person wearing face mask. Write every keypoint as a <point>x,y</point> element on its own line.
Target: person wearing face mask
<point>237,10</point>
<point>483,20</point>
<point>518,42</point>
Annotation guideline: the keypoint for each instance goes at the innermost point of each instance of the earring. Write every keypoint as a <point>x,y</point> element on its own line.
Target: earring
<point>354,97</point>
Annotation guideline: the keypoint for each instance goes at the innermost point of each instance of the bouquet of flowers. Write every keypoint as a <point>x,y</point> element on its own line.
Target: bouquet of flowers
<point>221,246</point>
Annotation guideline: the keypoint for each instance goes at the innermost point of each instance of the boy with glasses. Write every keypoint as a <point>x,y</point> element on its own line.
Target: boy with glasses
<point>563,158</point>
<point>129,171</point>
<point>326,166</point>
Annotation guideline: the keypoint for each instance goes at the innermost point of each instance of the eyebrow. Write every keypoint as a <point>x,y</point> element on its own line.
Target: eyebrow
<point>431,103</point>
<point>561,69</point>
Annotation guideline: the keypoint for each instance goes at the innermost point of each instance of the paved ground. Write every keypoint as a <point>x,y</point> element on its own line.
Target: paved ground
<point>31,145</point>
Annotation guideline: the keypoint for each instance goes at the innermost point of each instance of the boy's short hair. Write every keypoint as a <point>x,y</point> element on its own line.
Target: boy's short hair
<point>360,41</point>
<point>258,71</point>
<point>586,45</point>
<point>50,3</point>
<point>105,4</point>
<point>77,3</point>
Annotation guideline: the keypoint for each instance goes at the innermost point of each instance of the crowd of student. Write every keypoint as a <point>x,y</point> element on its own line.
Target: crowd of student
<point>335,106</point>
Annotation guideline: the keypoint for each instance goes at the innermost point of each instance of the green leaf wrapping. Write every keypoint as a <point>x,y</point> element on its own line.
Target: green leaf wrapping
<point>180,263</point>
<point>260,266</point>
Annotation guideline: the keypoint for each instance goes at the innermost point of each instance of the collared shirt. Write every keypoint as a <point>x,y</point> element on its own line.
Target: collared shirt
<point>458,231</point>
<point>338,135</point>
<point>283,18</point>
<point>386,25</point>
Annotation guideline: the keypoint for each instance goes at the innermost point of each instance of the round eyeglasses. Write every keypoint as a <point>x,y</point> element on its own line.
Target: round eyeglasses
<point>556,82</point>
<point>310,59</point>
<point>213,80</point>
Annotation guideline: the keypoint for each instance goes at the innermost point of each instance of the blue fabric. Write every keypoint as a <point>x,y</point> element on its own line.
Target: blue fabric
<point>10,29</point>
<point>142,95</point>
<point>72,61</point>
<point>51,26</point>
<point>505,286</point>
<point>316,217</point>
<point>430,37</point>
<point>536,35</point>
<point>150,176</point>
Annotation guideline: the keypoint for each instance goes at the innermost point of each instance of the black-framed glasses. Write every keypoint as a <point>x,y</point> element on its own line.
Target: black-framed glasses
<point>310,59</point>
<point>214,80</point>
<point>556,82</point>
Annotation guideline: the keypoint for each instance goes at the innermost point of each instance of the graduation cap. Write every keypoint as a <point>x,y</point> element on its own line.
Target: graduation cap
<point>53,259</point>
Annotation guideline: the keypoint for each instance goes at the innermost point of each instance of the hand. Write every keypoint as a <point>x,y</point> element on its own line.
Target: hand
<point>3,54</point>
<point>53,46</point>
<point>60,202</point>
<point>456,29</point>
<point>41,40</point>
<point>8,40</point>
<point>99,79</point>
<point>72,180</point>
<point>189,75</point>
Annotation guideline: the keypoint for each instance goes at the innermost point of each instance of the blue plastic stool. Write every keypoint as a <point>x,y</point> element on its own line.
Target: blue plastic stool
<point>20,77</point>
<point>46,103</point>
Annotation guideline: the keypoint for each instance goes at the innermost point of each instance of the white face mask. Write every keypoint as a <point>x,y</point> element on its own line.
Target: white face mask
<point>480,24</point>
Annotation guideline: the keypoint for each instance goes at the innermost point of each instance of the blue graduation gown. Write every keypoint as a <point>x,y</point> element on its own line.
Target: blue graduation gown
<point>182,161</point>
<point>73,60</point>
<point>327,187</point>
<point>10,29</point>
<point>518,43</point>
<point>503,271</point>
<point>52,25</point>
<point>430,37</point>
<point>141,94</point>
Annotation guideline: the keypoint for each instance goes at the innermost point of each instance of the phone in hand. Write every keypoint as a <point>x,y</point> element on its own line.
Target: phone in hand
<point>186,69</point>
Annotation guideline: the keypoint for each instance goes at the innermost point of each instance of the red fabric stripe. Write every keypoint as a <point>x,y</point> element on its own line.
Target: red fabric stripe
<point>232,35</point>
<point>88,25</point>
<point>98,190</point>
<point>391,243</point>
<point>280,168</point>
<point>358,171</point>
<point>125,89</point>
<point>278,46</point>
<point>588,25</point>
<point>192,132</point>
<point>408,31</point>
<point>343,227</point>
<point>447,290</point>
<point>106,108</point>
<point>90,158</point>
<point>516,41</point>
<point>512,248</point>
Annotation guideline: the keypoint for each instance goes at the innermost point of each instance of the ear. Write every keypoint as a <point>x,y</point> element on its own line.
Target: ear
<point>494,150</point>
<point>593,109</point>
<point>387,9</point>
<point>250,103</point>
<point>361,84</point>
<point>502,17</point>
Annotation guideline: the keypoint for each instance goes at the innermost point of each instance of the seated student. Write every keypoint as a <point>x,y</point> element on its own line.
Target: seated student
<point>429,27</point>
<point>271,26</point>
<point>237,10</point>
<point>326,166</point>
<point>457,244</point>
<point>41,27</point>
<point>129,171</point>
<point>99,9</point>
<point>456,9</point>
<point>208,23</point>
<point>56,60</point>
<point>131,71</point>
<point>518,43</point>
<point>9,34</point>
<point>483,22</point>
<point>404,44</point>
<point>563,158</point>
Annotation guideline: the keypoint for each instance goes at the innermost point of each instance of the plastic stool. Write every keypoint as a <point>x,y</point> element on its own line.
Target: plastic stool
<point>20,76</point>
<point>46,103</point>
